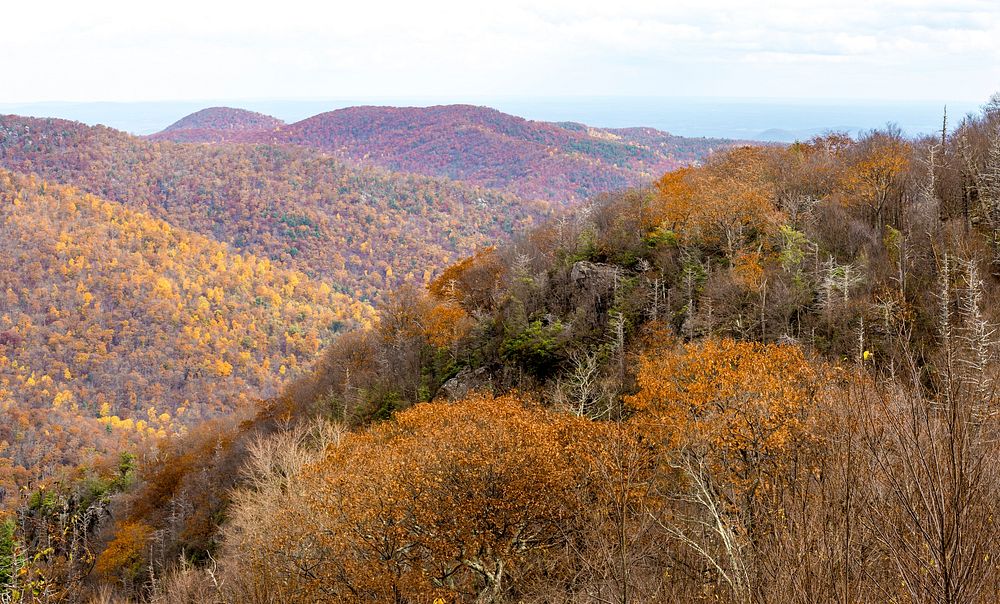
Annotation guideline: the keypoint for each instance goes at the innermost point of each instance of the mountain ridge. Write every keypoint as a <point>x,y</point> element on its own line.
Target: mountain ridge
<point>297,206</point>
<point>560,162</point>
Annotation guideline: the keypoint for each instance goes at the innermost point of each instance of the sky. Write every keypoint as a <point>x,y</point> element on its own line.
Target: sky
<point>127,51</point>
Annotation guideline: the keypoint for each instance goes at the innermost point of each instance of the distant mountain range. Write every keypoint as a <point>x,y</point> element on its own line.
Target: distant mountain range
<point>559,162</point>
<point>361,229</point>
<point>713,117</point>
<point>147,285</point>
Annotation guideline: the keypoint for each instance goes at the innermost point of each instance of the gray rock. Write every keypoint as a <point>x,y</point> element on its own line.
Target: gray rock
<point>467,380</point>
<point>586,274</point>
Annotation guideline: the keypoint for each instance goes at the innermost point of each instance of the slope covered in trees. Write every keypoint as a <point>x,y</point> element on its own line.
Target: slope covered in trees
<point>361,230</point>
<point>771,378</point>
<point>116,327</point>
<point>484,147</point>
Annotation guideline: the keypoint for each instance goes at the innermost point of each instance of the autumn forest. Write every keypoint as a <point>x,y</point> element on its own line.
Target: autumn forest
<point>450,355</point>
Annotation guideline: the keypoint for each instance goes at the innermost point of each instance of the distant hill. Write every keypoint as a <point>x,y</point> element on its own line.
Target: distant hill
<point>158,284</point>
<point>559,162</point>
<point>216,124</point>
<point>116,326</point>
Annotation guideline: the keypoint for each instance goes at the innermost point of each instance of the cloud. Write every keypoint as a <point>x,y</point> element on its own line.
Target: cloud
<point>118,50</point>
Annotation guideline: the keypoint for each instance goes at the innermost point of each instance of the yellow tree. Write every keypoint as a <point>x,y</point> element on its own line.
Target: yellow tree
<point>733,414</point>
<point>874,179</point>
<point>724,203</point>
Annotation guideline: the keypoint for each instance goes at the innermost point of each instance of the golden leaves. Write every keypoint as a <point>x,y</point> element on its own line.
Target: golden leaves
<point>733,401</point>
<point>720,203</point>
<point>446,323</point>
<point>465,491</point>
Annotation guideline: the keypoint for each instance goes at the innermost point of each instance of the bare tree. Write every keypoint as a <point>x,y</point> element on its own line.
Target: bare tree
<point>933,484</point>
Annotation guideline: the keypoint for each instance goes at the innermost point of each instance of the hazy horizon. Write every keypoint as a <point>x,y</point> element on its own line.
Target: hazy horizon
<point>717,117</point>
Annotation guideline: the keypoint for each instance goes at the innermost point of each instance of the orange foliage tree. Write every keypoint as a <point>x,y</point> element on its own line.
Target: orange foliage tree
<point>744,405</point>
<point>470,282</point>
<point>447,500</point>
<point>722,203</point>
<point>734,415</point>
<point>124,558</point>
<point>874,179</point>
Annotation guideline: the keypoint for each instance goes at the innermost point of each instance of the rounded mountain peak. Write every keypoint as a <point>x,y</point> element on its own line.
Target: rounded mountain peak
<point>227,119</point>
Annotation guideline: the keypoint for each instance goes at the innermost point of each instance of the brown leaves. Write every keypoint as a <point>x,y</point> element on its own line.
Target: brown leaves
<point>721,203</point>
<point>445,499</point>
<point>741,403</point>
<point>125,556</point>
<point>875,175</point>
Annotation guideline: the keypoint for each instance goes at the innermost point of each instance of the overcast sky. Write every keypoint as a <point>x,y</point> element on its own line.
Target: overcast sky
<point>132,50</point>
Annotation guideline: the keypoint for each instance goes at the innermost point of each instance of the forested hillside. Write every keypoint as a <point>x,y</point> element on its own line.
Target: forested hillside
<point>770,378</point>
<point>361,230</point>
<point>484,147</point>
<point>173,283</point>
<point>767,378</point>
<point>117,327</point>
